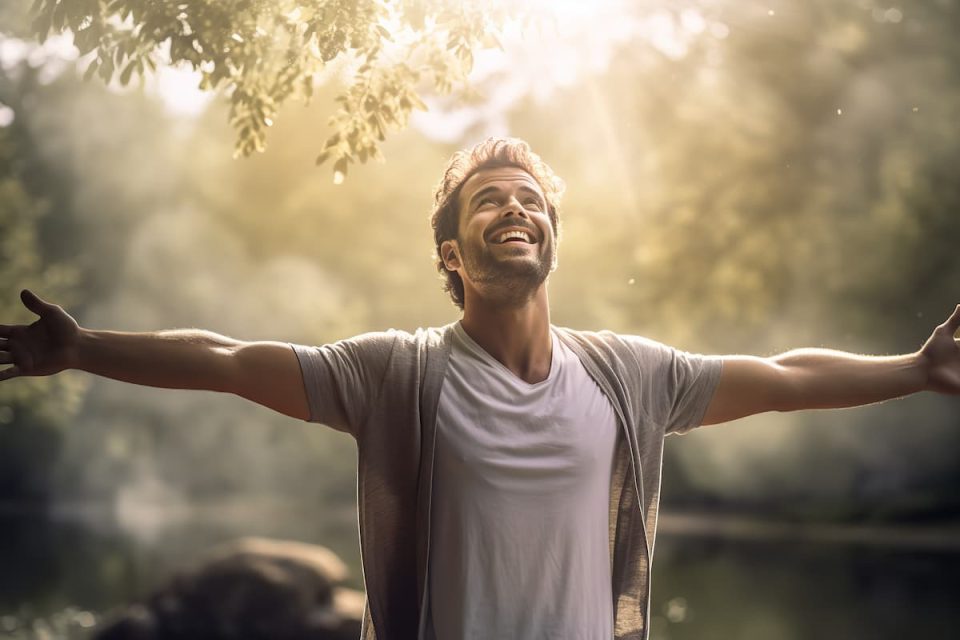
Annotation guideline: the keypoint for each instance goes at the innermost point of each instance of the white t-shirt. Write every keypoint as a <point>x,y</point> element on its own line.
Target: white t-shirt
<point>519,542</point>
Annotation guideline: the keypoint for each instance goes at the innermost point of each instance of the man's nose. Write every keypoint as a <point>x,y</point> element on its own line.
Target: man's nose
<point>513,207</point>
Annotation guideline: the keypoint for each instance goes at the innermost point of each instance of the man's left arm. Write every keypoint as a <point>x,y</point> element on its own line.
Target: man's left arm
<point>827,379</point>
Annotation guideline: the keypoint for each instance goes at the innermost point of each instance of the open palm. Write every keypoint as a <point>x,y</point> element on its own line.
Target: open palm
<point>43,348</point>
<point>942,352</point>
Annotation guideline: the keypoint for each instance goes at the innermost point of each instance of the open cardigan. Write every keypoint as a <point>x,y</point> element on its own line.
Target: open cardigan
<point>383,388</point>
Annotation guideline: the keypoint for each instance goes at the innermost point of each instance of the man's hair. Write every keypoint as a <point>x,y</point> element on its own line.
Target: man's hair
<point>492,153</point>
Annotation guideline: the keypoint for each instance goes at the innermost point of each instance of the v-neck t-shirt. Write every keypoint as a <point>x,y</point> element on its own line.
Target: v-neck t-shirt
<point>519,518</point>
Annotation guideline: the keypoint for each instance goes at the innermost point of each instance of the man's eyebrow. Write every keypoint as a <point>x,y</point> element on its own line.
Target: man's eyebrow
<point>495,189</point>
<point>531,191</point>
<point>485,191</point>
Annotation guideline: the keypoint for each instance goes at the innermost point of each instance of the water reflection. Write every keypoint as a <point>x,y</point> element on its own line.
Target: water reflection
<point>725,589</point>
<point>68,571</point>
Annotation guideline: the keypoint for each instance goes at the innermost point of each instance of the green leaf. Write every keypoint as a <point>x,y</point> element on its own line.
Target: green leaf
<point>90,70</point>
<point>85,41</point>
<point>466,57</point>
<point>417,102</point>
<point>41,26</point>
<point>127,72</point>
<point>106,69</point>
<point>59,19</point>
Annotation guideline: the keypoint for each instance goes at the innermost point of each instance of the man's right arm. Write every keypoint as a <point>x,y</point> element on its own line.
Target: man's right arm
<point>267,373</point>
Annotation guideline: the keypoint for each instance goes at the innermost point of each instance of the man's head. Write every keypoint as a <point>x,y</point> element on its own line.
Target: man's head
<point>498,185</point>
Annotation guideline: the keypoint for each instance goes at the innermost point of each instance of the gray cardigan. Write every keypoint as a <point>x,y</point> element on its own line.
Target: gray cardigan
<point>383,389</point>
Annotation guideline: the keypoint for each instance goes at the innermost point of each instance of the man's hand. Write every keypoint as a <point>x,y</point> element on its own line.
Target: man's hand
<point>941,354</point>
<point>267,373</point>
<point>43,348</point>
<point>827,379</point>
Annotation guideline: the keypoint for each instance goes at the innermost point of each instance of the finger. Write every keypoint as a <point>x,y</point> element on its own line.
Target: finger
<point>7,374</point>
<point>22,357</point>
<point>5,329</point>
<point>6,357</point>
<point>33,302</point>
<point>953,322</point>
<point>4,343</point>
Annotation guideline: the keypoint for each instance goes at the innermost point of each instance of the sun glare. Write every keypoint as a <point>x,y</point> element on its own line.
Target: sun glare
<point>559,43</point>
<point>178,88</point>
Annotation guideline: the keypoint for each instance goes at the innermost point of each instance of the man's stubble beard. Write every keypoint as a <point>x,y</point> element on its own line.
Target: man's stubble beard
<point>506,283</point>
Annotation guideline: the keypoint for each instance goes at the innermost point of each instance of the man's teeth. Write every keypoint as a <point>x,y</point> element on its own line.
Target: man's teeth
<point>521,235</point>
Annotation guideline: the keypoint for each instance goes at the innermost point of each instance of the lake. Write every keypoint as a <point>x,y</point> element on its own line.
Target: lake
<point>714,577</point>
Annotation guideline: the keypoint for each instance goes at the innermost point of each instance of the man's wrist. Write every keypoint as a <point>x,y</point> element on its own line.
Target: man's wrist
<point>922,364</point>
<point>78,357</point>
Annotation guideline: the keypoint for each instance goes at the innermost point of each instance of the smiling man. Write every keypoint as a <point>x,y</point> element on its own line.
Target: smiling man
<point>509,470</point>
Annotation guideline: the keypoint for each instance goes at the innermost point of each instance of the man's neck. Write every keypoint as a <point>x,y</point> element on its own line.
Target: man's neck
<point>517,336</point>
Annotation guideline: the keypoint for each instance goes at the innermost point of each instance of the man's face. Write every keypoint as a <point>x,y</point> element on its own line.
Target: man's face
<point>505,246</point>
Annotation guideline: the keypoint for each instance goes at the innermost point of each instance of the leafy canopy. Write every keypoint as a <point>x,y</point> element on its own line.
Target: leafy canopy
<point>261,53</point>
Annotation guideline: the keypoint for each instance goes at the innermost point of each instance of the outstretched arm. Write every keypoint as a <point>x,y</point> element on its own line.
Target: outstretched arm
<point>264,372</point>
<point>827,379</point>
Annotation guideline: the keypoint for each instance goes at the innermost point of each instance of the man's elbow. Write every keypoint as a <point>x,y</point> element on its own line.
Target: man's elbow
<point>787,390</point>
<point>750,385</point>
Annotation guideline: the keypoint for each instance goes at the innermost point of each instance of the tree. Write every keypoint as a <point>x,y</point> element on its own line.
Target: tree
<point>262,54</point>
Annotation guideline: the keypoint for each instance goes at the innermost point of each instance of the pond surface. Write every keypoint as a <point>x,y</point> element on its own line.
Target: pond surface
<point>59,575</point>
<point>726,588</point>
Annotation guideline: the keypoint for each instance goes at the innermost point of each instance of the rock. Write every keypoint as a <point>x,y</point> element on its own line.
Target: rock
<point>250,589</point>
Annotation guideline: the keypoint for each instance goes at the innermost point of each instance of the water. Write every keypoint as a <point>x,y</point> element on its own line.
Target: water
<point>727,589</point>
<point>59,576</point>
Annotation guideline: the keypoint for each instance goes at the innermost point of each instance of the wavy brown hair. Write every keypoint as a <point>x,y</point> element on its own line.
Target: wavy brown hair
<point>492,153</point>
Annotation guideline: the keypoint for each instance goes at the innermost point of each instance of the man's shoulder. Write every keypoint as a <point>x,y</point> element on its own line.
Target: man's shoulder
<point>604,338</point>
<point>422,336</point>
<point>389,343</point>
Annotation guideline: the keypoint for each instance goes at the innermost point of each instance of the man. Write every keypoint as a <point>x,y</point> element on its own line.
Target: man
<point>509,470</point>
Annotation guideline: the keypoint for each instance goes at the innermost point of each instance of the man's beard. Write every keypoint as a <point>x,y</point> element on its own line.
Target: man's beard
<point>506,282</point>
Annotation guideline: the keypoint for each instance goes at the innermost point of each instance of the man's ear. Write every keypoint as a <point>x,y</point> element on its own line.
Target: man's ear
<point>450,254</point>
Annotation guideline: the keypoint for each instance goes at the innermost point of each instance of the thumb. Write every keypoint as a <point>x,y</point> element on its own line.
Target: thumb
<point>34,303</point>
<point>953,322</point>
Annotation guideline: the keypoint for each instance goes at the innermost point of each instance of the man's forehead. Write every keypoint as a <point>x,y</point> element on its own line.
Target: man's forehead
<point>507,177</point>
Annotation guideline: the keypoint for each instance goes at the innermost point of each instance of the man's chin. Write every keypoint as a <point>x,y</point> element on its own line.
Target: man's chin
<point>517,269</point>
<point>523,266</point>
<point>521,254</point>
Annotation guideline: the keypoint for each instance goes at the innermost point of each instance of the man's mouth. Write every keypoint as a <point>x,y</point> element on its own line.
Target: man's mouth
<point>514,235</point>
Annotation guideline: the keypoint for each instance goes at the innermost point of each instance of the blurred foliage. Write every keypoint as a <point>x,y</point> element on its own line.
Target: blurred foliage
<point>32,413</point>
<point>764,189</point>
<point>263,53</point>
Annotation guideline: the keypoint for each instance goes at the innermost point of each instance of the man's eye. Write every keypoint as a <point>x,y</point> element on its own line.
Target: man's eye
<point>484,201</point>
<point>531,202</point>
